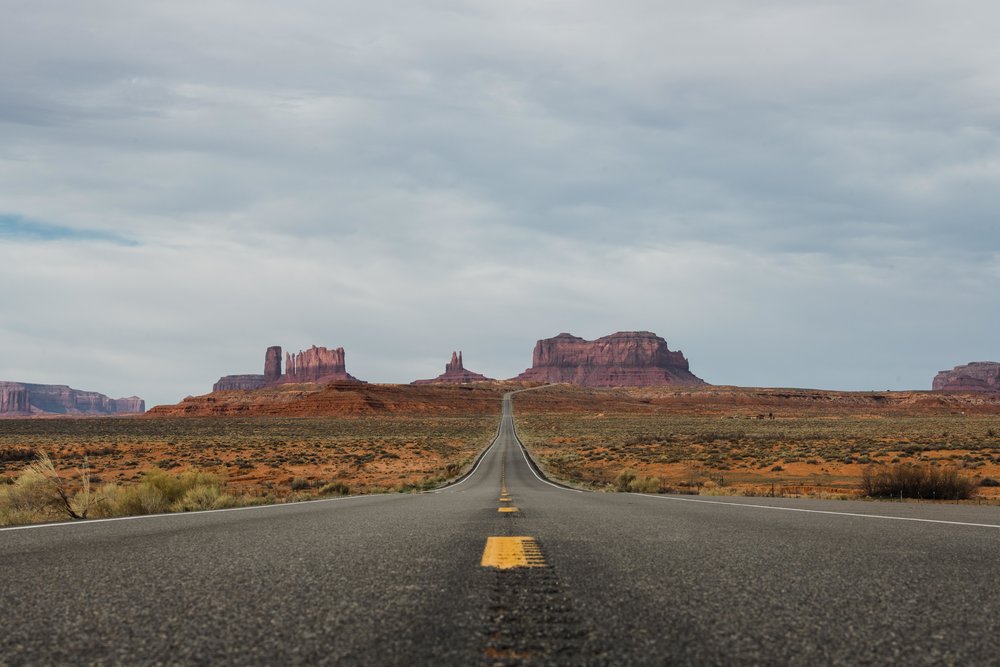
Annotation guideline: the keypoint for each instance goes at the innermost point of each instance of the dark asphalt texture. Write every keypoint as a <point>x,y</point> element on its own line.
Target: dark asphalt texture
<point>396,580</point>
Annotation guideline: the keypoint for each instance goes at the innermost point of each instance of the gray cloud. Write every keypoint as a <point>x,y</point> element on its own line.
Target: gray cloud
<point>793,193</point>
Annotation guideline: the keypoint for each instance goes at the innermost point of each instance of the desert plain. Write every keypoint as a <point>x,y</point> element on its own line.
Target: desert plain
<point>297,442</point>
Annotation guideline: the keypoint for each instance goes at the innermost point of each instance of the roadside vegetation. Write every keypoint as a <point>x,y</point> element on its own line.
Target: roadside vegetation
<point>905,480</point>
<point>56,469</point>
<point>921,456</point>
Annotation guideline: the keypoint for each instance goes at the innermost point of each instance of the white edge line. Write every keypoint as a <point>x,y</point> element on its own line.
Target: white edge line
<point>524,453</point>
<point>524,450</point>
<point>833,512</point>
<point>90,522</point>
<point>544,481</point>
<point>472,472</point>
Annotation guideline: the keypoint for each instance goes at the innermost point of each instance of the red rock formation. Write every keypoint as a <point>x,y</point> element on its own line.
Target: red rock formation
<point>317,364</point>
<point>979,376</point>
<point>272,363</point>
<point>21,399</point>
<point>240,383</point>
<point>130,405</point>
<point>14,399</point>
<point>624,359</point>
<point>455,373</point>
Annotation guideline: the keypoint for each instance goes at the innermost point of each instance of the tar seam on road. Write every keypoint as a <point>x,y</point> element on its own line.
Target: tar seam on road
<point>799,509</point>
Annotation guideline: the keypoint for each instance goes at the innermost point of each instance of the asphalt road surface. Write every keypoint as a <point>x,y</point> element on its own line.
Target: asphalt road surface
<point>594,578</point>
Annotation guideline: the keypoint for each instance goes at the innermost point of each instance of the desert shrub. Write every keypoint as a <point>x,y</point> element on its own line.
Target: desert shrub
<point>988,481</point>
<point>300,484</point>
<point>131,500</point>
<point>644,485</point>
<point>204,497</point>
<point>335,489</point>
<point>29,499</point>
<point>624,479</point>
<point>914,481</point>
<point>17,454</point>
<point>160,492</point>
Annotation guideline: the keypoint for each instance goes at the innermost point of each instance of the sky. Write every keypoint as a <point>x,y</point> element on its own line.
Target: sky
<point>793,193</point>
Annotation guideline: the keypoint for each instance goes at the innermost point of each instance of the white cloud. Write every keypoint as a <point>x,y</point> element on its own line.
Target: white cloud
<point>792,193</point>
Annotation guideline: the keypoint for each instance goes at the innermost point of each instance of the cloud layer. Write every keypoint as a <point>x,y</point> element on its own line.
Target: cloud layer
<point>794,194</point>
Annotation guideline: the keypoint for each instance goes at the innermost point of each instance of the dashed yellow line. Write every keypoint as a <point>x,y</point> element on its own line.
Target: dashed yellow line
<point>508,509</point>
<point>505,553</point>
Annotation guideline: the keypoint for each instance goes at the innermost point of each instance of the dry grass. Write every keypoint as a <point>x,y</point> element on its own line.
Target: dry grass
<point>823,456</point>
<point>141,466</point>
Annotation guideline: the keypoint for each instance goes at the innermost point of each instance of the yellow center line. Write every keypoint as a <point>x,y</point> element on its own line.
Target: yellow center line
<point>505,553</point>
<point>508,509</point>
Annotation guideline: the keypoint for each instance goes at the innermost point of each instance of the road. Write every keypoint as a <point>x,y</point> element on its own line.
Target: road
<point>612,579</point>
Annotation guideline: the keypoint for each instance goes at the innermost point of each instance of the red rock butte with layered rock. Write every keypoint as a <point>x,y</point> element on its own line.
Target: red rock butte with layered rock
<point>21,399</point>
<point>455,373</point>
<point>979,376</point>
<point>623,359</point>
<point>316,365</point>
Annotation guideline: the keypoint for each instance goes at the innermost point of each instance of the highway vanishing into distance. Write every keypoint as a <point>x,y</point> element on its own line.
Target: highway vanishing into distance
<point>503,568</point>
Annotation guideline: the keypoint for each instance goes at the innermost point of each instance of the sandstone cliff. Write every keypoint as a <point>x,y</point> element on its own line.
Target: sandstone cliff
<point>455,373</point>
<point>315,365</point>
<point>14,399</point>
<point>22,399</point>
<point>240,382</point>
<point>624,359</point>
<point>979,376</point>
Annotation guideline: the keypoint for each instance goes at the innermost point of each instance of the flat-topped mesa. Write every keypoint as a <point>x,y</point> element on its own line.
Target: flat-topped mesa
<point>455,373</point>
<point>623,359</point>
<point>979,376</point>
<point>21,399</point>
<point>315,365</point>
<point>240,383</point>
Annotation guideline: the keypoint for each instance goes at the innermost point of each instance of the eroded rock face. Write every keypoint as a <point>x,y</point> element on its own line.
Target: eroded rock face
<point>315,365</point>
<point>455,373</point>
<point>240,382</point>
<point>624,359</point>
<point>14,399</point>
<point>979,376</point>
<point>272,363</point>
<point>23,399</point>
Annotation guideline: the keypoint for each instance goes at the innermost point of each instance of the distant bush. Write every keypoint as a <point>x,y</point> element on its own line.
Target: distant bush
<point>624,479</point>
<point>300,484</point>
<point>913,481</point>
<point>17,454</point>
<point>629,481</point>
<point>335,489</point>
<point>644,485</point>
<point>988,481</point>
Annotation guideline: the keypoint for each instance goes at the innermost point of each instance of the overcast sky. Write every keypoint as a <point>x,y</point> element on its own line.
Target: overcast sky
<point>793,193</point>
